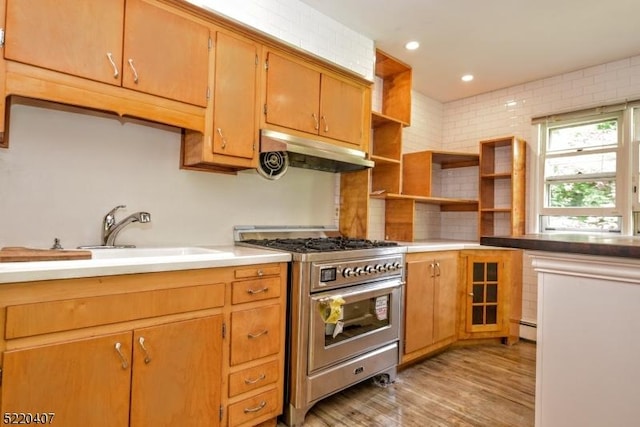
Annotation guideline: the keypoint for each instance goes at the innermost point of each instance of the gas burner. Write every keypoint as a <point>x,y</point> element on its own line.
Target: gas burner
<point>320,244</point>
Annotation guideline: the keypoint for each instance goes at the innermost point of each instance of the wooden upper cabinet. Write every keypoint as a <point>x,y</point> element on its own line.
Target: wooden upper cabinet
<point>293,95</point>
<point>139,46</point>
<point>68,36</point>
<point>165,54</point>
<point>341,112</point>
<point>234,96</point>
<point>302,98</point>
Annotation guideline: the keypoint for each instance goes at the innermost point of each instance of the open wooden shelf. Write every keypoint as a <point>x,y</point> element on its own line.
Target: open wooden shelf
<point>502,159</point>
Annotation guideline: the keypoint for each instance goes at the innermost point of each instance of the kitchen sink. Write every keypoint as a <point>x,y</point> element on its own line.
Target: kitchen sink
<point>177,252</point>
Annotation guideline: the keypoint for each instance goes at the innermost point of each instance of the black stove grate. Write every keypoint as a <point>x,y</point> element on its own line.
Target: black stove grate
<point>320,244</point>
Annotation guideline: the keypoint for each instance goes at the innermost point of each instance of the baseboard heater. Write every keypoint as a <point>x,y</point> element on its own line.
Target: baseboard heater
<point>529,324</point>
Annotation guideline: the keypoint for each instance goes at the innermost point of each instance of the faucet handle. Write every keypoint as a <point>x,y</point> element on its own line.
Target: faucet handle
<point>145,217</point>
<point>113,211</point>
<point>109,221</point>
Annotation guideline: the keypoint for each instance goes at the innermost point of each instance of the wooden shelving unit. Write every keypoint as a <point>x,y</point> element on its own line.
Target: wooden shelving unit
<point>502,186</point>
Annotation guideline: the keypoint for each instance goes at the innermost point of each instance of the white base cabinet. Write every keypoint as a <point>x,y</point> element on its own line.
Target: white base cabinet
<point>588,354</point>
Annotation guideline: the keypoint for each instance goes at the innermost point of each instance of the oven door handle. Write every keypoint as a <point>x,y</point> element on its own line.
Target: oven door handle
<point>359,291</point>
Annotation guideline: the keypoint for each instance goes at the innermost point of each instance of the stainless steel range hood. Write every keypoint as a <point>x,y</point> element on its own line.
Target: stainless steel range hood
<point>312,154</point>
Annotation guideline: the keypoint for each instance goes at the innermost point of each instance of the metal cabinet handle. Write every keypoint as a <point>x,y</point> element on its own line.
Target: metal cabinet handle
<point>257,291</point>
<point>116,73</point>
<point>470,294</point>
<point>258,334</point>
<point>433,270</point>
<point>147,358</point>
<point>257,408</point>
<point>437,269</point>
<point>260,273</point>
<point>133,69</point>
<point>326,125</point>
<point>224,140</point>
<point>123,360</point>
<point>315,117</point>
<point>260,378</point>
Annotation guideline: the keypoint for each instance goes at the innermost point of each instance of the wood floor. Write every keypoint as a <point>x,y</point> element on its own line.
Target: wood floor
<point>480,385</point>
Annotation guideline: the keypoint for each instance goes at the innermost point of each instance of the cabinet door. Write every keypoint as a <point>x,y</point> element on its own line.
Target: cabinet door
<point>293,95</point>
<point>177,373</point>
<point>445,296</point>
<point>165,54</point>
<point>486,293</point>
<point>418,331</point>
<point>68,36</point>
<point>341,110</point>
<point>234,99</point>
<point>83,383</point>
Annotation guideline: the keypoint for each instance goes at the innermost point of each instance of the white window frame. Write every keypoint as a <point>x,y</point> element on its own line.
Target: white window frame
<point>627,168</point>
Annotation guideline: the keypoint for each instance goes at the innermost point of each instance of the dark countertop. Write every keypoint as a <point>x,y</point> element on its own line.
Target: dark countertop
<point>614,246</point>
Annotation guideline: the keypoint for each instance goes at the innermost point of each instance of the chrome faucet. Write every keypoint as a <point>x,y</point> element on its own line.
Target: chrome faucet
<point>110,228</point>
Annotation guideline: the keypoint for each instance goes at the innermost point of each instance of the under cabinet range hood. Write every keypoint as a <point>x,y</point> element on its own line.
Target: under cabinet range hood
<point>312,154</point>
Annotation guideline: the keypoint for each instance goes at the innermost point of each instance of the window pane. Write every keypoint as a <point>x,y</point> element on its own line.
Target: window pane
<point>589,135</point>
<point>478,272</point>
<point>581,223</point>
<point>580,164</point>
<point>581,194</point>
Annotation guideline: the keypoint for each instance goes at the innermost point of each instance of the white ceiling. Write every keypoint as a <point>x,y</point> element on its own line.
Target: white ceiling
<point>501,42</point>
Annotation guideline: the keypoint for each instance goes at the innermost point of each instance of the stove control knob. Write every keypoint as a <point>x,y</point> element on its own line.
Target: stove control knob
<point>379,268</point>
<point>369,269</point>
<point>347,272</point>
<point>388,267</point>
<point>358,271</point>
<point>397,265</point>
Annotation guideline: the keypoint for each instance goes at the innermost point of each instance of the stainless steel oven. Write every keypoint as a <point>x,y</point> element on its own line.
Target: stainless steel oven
<point>344,311</point>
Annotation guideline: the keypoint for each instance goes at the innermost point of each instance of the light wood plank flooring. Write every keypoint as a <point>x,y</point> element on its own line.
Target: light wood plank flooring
<point>479,385</point>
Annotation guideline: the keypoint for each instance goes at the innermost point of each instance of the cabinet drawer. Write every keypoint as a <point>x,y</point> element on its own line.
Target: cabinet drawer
<point>255,333</point>
<point>255,290</point>
<point>54,316</point>
<point>258,406</point>
<point>257,271</point>
<point>252,378</point>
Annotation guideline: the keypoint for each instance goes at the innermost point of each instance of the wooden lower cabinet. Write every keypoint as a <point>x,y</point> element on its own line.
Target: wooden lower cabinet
<point>170,373</point>
<point>146,349</point>
<point>255,375</point>
<point>430,303</point>
<point>77,383</point>
<point>491,294</point>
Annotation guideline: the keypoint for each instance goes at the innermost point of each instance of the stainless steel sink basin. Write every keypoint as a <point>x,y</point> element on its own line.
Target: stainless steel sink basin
<point>176,252</point>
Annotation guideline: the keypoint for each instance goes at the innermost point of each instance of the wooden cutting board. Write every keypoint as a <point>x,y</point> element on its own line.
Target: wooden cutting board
<point>20,254</point>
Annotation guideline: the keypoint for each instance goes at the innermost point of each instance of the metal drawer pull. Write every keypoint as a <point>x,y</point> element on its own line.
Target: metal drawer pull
<point>135,73</point>
<point>260,273</point>
<point>257,291</point>
<point>260,378</point>
<point>147,358</point>
<point>257,408</point>
<point>125,363</point>
<point>224,140</point>
<point>116,73</point>
<point>256,335</point>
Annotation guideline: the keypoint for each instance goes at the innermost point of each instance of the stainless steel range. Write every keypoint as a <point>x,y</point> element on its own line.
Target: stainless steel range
<point>344,310</point>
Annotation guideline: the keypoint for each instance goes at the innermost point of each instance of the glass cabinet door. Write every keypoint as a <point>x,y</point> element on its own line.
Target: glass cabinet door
<point>484,294</point>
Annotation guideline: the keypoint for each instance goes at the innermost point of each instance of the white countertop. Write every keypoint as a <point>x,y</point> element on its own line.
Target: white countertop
<point>224,256</point>
<point>441,245</point>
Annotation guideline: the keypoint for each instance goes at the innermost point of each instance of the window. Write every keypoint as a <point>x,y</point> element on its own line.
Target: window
<point>582,175</point>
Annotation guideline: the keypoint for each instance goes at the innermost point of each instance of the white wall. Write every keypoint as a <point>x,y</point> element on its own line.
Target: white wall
<point>66,168</point>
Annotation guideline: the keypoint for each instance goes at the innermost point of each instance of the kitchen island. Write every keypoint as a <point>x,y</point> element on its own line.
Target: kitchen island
<point>587,369</point>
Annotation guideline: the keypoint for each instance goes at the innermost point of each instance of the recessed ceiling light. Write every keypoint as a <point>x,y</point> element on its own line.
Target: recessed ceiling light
<point>511,103</point>
<point>412,45</point>
<point>467,77</point>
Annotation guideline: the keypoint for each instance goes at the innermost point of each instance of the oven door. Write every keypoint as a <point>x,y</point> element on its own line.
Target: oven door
<point>369,317</point>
